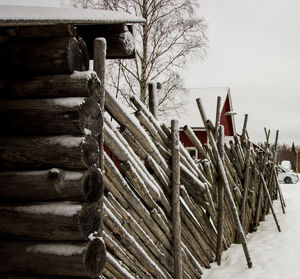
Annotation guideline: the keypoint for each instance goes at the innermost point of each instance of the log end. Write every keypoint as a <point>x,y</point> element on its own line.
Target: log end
<point>95,258</point>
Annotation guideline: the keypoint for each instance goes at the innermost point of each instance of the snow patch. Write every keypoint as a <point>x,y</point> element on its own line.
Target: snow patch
<point>66,209</point>
<point>57,249</point>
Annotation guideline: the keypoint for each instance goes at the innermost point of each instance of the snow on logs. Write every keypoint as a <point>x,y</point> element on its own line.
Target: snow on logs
<point>62,116</point>
<point>51,186</point>
<point>53,258</point>
<point>42,152</point>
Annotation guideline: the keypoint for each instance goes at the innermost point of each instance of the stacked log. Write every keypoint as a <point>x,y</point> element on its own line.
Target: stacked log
<point>51,184</point>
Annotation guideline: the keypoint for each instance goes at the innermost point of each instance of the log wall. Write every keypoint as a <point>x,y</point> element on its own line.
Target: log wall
<point>51,182</point>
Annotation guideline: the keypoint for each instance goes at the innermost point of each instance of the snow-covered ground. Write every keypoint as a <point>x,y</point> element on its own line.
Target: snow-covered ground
<point>274,254</point>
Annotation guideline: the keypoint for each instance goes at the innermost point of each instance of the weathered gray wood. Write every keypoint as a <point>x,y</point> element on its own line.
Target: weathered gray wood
<point>270,201</point>
<point>78,84</point>
<point>118,181</point>
<point>67,259</point>
<point>69,152</point>
<point>132,245</point>
<point>134,127</point>
<point>51,185</point>
<point>50,116</point>
<point>220,223</point>
<point>59,221</point>
<point>153,104</point>
<point>226,185</point>
<point>218,117</point>
<point>59,55</point>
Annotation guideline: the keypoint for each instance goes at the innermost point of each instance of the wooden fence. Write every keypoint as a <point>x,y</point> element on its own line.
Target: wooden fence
<point>52,195</point>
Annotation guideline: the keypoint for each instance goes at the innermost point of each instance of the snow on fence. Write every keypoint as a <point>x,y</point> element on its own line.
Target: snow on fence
<point>222,197</point>
<point>52,189</point>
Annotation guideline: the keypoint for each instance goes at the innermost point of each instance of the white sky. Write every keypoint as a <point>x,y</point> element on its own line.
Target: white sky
<point>255,50</point>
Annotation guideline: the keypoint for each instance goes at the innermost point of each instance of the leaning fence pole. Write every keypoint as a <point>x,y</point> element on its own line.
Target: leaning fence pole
<point>176,199</point>
<point>220,224</point>
<point>226,183</point>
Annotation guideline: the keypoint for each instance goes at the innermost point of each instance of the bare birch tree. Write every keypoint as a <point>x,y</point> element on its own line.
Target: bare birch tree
<point>172,33</point>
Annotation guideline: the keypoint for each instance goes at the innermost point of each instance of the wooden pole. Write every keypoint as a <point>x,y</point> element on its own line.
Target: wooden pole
<point>218,117</point>
<point>270,200</point>
<point>153,105</point>
<point>226,184</point>
<point>176,200</point>
<point>220,223</point>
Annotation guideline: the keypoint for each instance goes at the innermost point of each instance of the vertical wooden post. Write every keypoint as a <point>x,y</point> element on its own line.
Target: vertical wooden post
<point>244,132</point>
<point>220,201</point>
<point>99,68</point>
<point>226,183</point>
<point>218,117</point>
<point>153,105</point>
<point>176,199</point>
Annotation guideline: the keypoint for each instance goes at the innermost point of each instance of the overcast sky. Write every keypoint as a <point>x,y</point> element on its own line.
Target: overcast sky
<point>255,50</point>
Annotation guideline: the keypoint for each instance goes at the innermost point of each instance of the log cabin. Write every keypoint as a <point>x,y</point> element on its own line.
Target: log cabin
<point>51,155</point>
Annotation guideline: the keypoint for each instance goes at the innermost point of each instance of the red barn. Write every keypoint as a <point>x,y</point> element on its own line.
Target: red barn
<point>193,119</point>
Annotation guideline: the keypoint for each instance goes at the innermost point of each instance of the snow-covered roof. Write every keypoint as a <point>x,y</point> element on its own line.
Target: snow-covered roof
<point>27,15</point>
<point>191,115</point>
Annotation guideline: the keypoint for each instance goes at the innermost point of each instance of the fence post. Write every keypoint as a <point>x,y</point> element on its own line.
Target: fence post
<point>176,200</point>
<point>153,106</point>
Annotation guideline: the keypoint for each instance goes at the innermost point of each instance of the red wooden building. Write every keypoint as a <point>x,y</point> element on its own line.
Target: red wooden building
<point>192,116</point>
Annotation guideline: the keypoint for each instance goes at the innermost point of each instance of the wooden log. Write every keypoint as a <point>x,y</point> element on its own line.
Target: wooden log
<point>66,221</point>
<point>51,185</point>
<point>138,174</point>
<point>120,40</point>
<point>153,103</point>
<point>148,126</point>
<point>132,245</point>
<point>141,107</point>
<point>221,192</point>
<point>122,254</point>
<point>246,186</point>
<point>270,201</point>
<point>226,185</point>
<point>117,269</point>
<point>67,152</point>
<point>138,184</point>
<point>61,55</point>
<point>118,181</point>
<point>162,256</point>
<point>67,259</point>
<point>218,117</point>
<point>50,116</point>
<point>78,84</point>
<point>134,127</point>
<point>45,31</point>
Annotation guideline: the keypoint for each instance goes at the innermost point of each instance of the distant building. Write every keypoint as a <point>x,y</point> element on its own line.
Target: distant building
<point>193,119</point>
